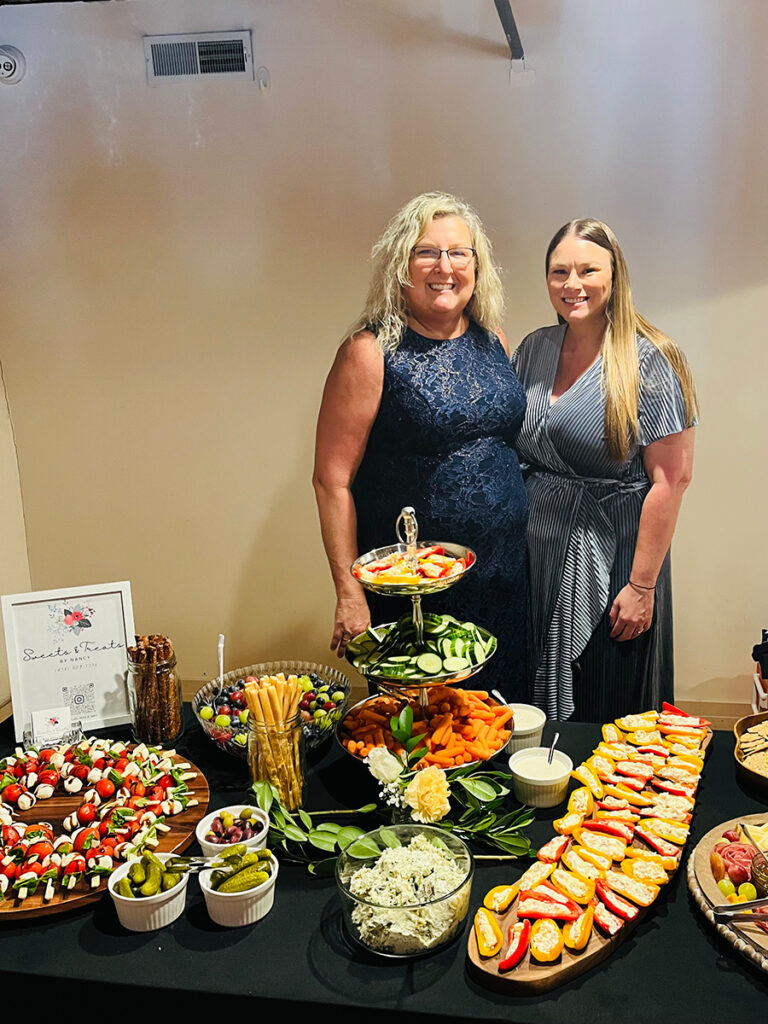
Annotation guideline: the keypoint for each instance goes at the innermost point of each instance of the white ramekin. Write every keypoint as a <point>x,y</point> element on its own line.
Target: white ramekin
<point>214,849</point>
<point>147,913</point>
<point>530,737</point>
<point>540,792</point>
<point>235,909</point>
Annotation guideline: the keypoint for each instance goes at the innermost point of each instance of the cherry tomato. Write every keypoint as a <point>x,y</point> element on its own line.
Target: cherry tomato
<point>138,788</point>
<point>86,813</point>
<point>80,771</point>
<point>35,866</point>
<point>105,789</point>
<point>42,849</point>
<point>46,754</point>
<point>10,835</point>
<point>40,830</point>
<point>12,792</point>
<point>49,776</point>
<point>85,839</point>
<point>122,764</point>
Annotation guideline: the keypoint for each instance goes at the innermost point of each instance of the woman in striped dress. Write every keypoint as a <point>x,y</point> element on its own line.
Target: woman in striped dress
<point>608,451</point>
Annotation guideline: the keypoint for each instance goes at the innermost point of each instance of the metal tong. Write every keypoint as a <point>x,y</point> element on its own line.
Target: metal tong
<point>728,913</point>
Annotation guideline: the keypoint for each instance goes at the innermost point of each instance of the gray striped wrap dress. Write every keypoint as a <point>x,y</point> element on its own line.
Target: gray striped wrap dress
<point>584,515</point>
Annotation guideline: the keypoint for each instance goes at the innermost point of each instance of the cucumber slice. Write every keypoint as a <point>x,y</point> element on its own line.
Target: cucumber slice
<point>455,664</point>
<point>430,664</point>
<point>478,653</point>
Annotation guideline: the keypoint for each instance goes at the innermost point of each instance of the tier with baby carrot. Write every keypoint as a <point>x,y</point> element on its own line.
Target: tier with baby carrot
<point>456,726</point>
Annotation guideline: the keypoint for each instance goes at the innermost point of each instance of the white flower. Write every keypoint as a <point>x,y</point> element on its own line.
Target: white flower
<point>384,766</point>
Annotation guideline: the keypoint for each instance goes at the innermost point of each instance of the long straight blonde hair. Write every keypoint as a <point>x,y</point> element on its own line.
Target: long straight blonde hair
<point>620,369</point>
<point>385,311</point>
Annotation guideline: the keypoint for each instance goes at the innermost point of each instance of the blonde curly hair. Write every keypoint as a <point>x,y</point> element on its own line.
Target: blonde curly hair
<point>385,312</point>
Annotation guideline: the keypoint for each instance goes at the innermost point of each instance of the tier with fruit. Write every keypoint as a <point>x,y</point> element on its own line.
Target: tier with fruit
<point>616,846</point>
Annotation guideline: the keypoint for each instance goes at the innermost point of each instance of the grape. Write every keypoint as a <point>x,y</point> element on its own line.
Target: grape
<point>726,886</point>
<point>747,891</point>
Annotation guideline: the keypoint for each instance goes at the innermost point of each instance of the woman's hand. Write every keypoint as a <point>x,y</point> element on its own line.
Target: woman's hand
<point>352,617</point>
<point>631,613</point>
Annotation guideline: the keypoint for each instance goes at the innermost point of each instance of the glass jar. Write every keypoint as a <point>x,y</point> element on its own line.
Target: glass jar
<point>759,873</point>
<point>154,698</point>
<point>277,754</point>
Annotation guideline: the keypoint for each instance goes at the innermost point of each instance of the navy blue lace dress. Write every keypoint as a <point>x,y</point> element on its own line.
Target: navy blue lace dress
<point>443,442</point>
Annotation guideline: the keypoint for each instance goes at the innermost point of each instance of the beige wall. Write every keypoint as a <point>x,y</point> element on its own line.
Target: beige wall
<point>14,568</point>
<point>179,263</point>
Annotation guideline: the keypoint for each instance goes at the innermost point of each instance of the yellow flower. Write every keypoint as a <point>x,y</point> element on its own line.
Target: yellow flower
<point>427,794</point>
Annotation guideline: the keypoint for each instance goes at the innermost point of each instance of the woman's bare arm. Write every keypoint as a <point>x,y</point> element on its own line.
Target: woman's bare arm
<point>349,407</point>
<point>669,465</point>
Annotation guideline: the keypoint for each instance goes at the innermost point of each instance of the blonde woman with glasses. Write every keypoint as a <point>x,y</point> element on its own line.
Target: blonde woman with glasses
<point>608,446</point>
<point>422,408</point>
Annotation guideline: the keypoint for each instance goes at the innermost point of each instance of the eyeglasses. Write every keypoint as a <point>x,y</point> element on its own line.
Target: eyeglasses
<point>459,255</point>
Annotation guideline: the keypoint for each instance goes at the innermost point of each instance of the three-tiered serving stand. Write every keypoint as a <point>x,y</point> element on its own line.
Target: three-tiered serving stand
<point>406,529</point>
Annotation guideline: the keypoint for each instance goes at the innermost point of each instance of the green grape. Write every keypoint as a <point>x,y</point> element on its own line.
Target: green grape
<point>726,886</point>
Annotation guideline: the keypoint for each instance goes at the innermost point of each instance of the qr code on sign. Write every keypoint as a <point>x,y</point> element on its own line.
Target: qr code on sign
<point>81,700</point>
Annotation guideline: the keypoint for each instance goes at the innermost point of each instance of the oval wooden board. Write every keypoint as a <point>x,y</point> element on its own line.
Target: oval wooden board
<point>708,885</point>
<point>532,977</point>
<point>55,810</point>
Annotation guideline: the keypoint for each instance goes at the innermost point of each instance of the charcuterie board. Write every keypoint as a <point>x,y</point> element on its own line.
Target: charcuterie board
<point>181,832</point>
<point>746,937</point>
<point>622,893</point>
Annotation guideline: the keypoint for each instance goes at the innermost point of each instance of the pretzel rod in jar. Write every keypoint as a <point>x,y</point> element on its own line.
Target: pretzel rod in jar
<point>273,701</point>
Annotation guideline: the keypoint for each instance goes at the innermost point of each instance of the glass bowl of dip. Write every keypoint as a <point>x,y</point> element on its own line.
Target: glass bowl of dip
<point>537,783</point>
<point>404,889</point>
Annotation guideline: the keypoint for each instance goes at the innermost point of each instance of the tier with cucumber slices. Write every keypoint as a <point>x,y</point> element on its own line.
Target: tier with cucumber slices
<point>450,648</point>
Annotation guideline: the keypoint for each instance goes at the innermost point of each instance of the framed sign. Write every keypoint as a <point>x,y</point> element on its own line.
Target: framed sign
<point>68,649</point>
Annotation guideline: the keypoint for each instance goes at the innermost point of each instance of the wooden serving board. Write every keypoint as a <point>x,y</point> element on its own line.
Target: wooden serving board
<point>55,810</point>
<point>531,977</point>
<point>707,886</point>
<point>739,729</point>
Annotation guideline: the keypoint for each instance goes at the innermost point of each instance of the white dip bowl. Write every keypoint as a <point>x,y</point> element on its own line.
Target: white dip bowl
<point>535,782</point>
<point>528,726</point>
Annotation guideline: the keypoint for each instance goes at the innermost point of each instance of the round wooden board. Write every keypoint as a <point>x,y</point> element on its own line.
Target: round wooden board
<point>532,977</point>
<point>707,886</point>
<point>181,834</point>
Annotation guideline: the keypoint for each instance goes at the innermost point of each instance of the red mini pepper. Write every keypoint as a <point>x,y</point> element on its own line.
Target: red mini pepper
<point>538,905</point>
<point>615,903</point>
<point>518,940</point>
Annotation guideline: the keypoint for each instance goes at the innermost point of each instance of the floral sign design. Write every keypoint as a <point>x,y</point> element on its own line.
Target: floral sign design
<point>71,619</point>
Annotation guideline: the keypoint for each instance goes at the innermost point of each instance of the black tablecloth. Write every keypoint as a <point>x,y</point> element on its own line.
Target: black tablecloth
<point>673,967</point>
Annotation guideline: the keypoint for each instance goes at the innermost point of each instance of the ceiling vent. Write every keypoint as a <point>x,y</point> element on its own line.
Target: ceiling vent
<point>180,57</point>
